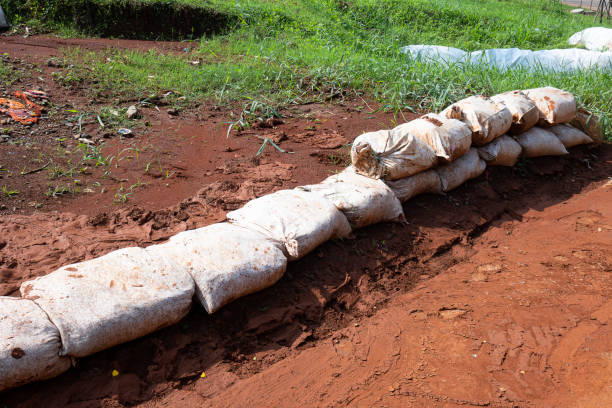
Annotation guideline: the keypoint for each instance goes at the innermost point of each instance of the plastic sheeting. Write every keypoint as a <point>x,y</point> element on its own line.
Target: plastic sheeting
<point>569,59</point>
<point>3,23</point>
<point>593,38</point>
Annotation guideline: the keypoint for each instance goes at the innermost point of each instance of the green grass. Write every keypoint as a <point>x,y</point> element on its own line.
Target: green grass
<point>294,51</point>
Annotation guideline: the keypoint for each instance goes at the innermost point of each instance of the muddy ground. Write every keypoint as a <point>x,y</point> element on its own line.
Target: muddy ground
<point>497,294</point>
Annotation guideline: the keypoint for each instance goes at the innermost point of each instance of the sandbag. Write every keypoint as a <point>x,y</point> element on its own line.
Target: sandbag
<point>589,124</point>
<point>29,344</point>
<point>461,170</point>
<point>593,38</point>
<point>570,136</point>
<point>525,114</point>
<point>449,138</point>
<point>113,299</point>
<point>408,187</point>
<point>226,262</point>
<point>391,154</point>
<point>363,200</point>
<point>487,119</point>
<point>299,220</point>
<point>538,142</point>
<point>503,151</point>
<point>555,105</point>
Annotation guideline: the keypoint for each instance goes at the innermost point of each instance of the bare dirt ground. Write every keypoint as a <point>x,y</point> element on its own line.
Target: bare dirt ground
<point>497,294</point>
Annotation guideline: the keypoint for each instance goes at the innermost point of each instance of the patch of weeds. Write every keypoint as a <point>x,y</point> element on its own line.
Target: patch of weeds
<point>253,112</point>
<point>8,192</point>
<point>61,189</point>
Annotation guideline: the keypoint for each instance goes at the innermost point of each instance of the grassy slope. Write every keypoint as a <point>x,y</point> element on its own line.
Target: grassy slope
<point>296,50</point>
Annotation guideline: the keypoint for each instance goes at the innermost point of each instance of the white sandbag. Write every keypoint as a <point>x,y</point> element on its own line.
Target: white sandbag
<point>525,113</point>
<point>391,154</point>
<point>449,138</point>
<point>555,105</point>
<point>538,142</point>
<point>113,299</point>
<point>503,151</point>
<point>363,200</point>
<point>593,38</point>
<point>299,220</point>
<point>29,344</point>
<point>570,136</point>
<point>461,170</point>
<point>226,262</point>
<point>487,119</point>
<point>589,124</point>
<point>408,187</point>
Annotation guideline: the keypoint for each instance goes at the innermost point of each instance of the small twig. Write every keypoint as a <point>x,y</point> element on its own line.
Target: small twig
<point>23,173</point>
<point>100,121</point>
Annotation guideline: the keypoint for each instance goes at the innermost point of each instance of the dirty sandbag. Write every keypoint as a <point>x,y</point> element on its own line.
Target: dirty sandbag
<point>525,113</point>
<point>363,200</point>
<point>503,151</point>
<point>113,299</point>
<point>487,119</point>
<point>467,167</point>
<point>299,220</point>
<point>29,344</point>
<point>424,182</point>
<point>226,262</point>
<point>555,105</point>
<point>589,124</point>
<point>538,142</point>
<point>449,138</point>
<point>391,154</point>
<point>570,136</point>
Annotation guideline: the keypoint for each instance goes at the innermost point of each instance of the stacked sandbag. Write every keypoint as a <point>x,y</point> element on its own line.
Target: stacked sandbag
<point>487,120</point>
<point>391,154</point>
<point>408,187</point>
<point>299,220</point>
<point>449,138</point>
<point>363,200</point>
<point>226,262</point>
<point>555,106</point>
<point>570,136</point>
<point>590,124</point>
<point>467,167</point>
<point>29,344</point>
<point>503,151</point>
<point>525,113</point>
<point>538,142</point>
<point>113,299</point>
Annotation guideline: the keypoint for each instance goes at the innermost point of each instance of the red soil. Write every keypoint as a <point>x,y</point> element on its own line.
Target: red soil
<point>497,294</point>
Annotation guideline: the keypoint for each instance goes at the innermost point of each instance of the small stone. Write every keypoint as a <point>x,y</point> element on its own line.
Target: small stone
<point>132,112</point>
<point>173,112</point>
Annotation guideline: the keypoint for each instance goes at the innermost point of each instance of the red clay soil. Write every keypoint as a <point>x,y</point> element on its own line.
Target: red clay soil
<point>497,294</point>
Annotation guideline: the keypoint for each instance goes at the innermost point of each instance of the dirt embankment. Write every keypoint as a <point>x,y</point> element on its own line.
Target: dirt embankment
<point>497,294</point>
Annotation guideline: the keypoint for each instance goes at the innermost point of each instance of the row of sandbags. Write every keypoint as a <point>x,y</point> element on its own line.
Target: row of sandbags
<point>458,141</point>
<point>86,307</point>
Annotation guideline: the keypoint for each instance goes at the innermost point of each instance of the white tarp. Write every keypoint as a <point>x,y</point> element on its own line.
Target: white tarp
<point>569,59</point>
<point>593,38</point>
<point>29,344</point>
<point>3,22</point>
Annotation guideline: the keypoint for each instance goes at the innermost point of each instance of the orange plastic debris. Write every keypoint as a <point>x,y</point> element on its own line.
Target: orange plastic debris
<point>25,113</point>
